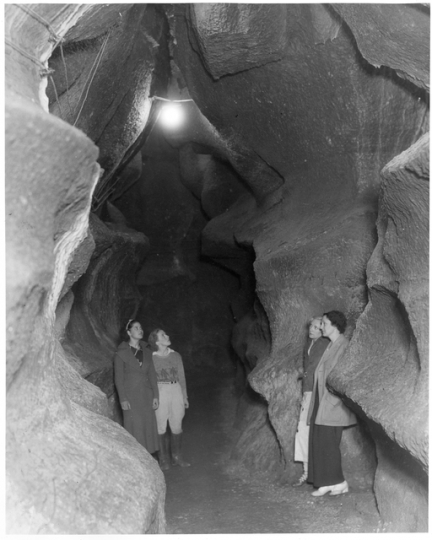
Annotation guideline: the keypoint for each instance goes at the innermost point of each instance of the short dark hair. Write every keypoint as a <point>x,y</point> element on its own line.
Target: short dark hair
<point>338,319</point>
<point>153,337</point>
<point>126,328</point>
<point>130,323</point>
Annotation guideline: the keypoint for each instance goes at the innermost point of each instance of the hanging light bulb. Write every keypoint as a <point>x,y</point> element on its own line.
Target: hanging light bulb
<point>172,115</point>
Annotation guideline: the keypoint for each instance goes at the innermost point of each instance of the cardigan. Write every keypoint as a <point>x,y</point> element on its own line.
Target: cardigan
<point>331,409</point>
<point>170,368</point>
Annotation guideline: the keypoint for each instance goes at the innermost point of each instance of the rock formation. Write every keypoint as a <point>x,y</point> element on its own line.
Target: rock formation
<point>299,184</point>
<point>71,469</point>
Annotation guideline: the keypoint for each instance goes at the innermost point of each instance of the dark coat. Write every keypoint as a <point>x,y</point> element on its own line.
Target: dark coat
<point>138,386</point>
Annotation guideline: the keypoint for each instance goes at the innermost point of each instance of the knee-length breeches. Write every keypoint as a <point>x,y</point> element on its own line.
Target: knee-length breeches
<point>171,408</point>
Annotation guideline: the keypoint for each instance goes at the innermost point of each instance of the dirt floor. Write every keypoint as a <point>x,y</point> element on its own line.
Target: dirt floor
<point>215,497</point>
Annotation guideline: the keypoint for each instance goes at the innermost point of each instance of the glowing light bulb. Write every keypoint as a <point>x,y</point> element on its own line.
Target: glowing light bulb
<point>172,116</point>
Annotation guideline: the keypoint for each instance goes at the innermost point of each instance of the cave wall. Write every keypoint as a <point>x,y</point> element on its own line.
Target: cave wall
<point>387,366</point>
<point>108,65</point>
<point>327,121</point>
<point>70,468</point>
<point>101,299</point>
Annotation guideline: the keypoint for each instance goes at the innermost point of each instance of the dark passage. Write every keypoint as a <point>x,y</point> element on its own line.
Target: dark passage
<point>214,497</point>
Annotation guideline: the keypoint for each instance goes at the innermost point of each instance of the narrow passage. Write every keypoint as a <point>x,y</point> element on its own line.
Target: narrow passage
<point>210,497</point>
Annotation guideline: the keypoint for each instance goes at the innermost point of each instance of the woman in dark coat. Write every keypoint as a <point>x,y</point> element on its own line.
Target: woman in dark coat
<point>136,383</point>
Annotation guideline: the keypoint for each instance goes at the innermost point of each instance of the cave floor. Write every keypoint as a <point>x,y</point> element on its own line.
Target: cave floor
<point>215,497</point>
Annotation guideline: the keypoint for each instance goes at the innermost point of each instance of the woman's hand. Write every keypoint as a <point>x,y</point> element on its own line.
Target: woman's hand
<point>155,403</point>
<point>186,403</point>
<point>125,405</point>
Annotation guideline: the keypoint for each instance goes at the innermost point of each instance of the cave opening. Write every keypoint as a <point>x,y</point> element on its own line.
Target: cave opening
<point>297,184</point>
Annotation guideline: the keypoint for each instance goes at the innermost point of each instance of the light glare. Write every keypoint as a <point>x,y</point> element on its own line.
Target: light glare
<point>172,116</point>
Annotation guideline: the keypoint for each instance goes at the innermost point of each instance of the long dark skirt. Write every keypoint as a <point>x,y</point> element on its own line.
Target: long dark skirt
<point>140,421</point>
<point>325,462</point>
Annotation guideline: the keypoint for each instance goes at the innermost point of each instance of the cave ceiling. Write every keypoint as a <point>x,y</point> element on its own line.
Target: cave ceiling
<point>307,75</point>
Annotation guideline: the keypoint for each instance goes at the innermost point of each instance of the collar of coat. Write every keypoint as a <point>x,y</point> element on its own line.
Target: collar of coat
<point>124,348</point>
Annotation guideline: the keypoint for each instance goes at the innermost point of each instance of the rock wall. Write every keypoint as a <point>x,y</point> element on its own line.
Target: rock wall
<point>387,370</point>
<point>104,71</point>
<point>103,301</point>
<point>70,469</point>
<point>327,122</point>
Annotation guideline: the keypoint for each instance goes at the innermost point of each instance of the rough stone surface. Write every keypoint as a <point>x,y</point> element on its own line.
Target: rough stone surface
<point>393,36</point>
<point>235,37</point>
<point>105,298</point>
<point>111,61</point>
<point>55,420</point>
<point>97,20</point>
<point>30,42</point>
<point>40,214</point>
<point>276,111</point>
<point>79,263</point>
<point>387,368</point>
<point>70,469</point>
<point>229,146</point>
<point>221,188</point>
<point>129,175</point>
<point>256,446</point>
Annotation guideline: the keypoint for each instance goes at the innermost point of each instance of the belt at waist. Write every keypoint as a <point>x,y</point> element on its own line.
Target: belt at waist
<point>167,382</point>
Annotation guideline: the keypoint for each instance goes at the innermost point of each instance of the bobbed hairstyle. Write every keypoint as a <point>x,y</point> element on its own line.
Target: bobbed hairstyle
<point>153,337</point>
<point>312,319</point>
<point>338,319</point>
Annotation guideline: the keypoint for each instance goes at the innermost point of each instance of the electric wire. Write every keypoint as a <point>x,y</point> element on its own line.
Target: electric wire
<point>60,12</point>
<point>172,100</point>
<point>91,76</point>
<point>56,95</point>
<point>40,19</point>
<point>25,53</point>
<point>66,78</point>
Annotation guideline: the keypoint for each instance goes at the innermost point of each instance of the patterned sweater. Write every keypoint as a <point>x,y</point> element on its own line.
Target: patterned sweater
<point>170,368</point>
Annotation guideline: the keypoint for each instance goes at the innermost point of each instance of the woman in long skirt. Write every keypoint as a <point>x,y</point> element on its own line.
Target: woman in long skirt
<point>136,383</point>
<point>328,415</point>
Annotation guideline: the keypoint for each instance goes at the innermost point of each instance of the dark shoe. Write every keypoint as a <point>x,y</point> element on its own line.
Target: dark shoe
<point>176,450</point>
<point>301,480</point>
<point>164,461</point>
